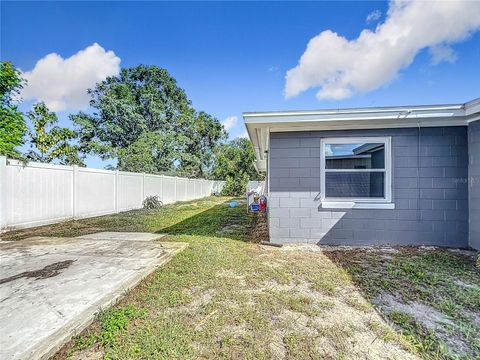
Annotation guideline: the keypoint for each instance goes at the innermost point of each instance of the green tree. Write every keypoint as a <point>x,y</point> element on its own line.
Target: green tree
<point>148,153</point>
<point>200,141</point>
<point>143,106</point>
<point>12,123</point>
<point>235,158</point>
<point>48,141</point>
<point>234,163</point>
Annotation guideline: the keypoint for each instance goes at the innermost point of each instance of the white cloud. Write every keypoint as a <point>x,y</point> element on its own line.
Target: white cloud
<point>341,67</point>
<point>229,122</point>
<point>374,16</point>
<point>441,53</point>
<point>62,83</point>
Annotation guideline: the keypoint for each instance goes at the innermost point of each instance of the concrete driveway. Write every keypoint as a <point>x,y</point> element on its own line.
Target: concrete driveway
<point>51,288</point>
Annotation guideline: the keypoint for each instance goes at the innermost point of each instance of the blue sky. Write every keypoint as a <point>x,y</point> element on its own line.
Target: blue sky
<point>233,57</point>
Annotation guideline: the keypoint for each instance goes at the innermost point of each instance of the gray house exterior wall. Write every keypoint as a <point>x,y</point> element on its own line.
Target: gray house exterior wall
<point>474,183</point>
<point>429,189</point>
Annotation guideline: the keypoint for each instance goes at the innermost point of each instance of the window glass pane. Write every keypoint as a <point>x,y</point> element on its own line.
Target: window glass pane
<point>355,184</point>
<point>355,156</point>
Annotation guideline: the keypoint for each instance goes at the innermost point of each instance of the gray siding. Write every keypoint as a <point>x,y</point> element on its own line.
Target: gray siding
<point>430,191</point>
<point>474,183</point>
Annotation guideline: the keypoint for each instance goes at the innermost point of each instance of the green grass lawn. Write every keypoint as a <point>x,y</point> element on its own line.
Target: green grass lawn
<point>226,297</point>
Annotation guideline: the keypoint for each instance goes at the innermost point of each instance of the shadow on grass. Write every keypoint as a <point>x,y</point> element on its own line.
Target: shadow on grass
<point>431,296</point>
<point>207,217</point>
<point>218,221</point>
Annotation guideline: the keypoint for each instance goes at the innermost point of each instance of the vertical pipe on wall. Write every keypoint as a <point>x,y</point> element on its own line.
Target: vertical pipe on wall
<point>419,213</point>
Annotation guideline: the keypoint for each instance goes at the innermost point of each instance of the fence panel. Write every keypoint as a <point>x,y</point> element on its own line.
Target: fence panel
<point>198,189</point>
<point>168,190</point>
<point>37,194</point>
<point>130,191</point>
<point>94,192</point>
<point>259,186</point>
<point>191,189</point>
<point>181,189</point>
<point>153,185</point>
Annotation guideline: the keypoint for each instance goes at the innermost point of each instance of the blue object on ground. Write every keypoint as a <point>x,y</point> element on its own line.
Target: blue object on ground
<point>233,204</point>
<point>255,207</point>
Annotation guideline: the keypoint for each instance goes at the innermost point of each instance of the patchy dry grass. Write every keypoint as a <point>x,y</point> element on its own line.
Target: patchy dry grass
<point>224,297</point>
<point>432,296</point>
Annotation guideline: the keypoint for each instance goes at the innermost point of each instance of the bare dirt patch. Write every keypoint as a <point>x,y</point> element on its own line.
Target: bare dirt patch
<point>259,231</point>
<point>230,229</point>
<point>91,353</point>
<point>424,314</point>
<point>430,295</point>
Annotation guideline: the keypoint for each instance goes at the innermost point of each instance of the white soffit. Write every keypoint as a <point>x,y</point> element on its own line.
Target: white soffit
<point>260,124</point>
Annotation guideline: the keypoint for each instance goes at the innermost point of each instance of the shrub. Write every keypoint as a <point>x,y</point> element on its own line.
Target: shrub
<point>152,202</point>
<point>235,186</point>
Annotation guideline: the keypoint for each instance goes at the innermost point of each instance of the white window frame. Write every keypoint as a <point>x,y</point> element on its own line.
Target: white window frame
<point>367,203</point>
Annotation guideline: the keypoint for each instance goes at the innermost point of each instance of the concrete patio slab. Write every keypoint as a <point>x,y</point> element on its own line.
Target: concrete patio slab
<point>51,288</point>
<point>132,236</point>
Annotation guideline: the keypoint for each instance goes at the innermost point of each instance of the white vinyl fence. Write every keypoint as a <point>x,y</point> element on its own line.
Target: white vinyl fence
<point>259,186</point>
<point>38,194</point>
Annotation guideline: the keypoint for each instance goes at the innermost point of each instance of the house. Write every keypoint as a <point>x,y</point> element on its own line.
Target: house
<point>407,175</point>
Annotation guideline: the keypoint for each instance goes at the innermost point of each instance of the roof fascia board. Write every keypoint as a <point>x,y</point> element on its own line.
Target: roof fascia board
<point>353,117</point>
<point>362,123</point>
<point>357,111</point>
<point>260,124</point>
<point>472,107</point>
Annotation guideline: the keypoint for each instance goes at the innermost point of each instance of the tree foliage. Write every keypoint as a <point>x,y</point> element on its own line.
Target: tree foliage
<point>141,115</point>
<point>200,141</point>
<point>12,123</point>
<point>235,158</point>
<point>149,153</point>
<point>235,186</point>
<point>48,141</point>
<point>234,163</point>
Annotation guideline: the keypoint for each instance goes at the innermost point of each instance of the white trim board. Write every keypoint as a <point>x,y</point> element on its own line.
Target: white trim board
<point>355,119</point>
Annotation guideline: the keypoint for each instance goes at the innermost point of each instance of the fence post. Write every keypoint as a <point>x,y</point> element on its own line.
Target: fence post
<point>161,188</point>
<point>117,210</point>
<point>3,192</point>
<point>143,187</point>
<point>74,191</point>
<point>175,190</point>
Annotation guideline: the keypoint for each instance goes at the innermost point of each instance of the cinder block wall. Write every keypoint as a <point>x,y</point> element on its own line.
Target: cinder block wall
<point>474,182</point>
<point>430,191</point>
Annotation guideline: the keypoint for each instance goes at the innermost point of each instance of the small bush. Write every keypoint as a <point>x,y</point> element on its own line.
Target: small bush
<point>152,202</point>
<point>235,186</point>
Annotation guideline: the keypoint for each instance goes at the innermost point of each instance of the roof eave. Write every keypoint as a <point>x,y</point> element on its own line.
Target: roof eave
<point>260,124</point>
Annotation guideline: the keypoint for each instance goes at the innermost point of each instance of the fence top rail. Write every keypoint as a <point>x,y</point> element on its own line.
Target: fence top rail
<point>38,165</point>
<point>129,173</point>
<point>97,171</point>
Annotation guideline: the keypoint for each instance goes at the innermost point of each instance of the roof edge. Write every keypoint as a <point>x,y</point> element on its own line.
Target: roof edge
<point>364,110</point>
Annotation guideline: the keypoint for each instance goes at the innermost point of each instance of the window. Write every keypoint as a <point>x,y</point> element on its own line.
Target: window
<point>356,170</point>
